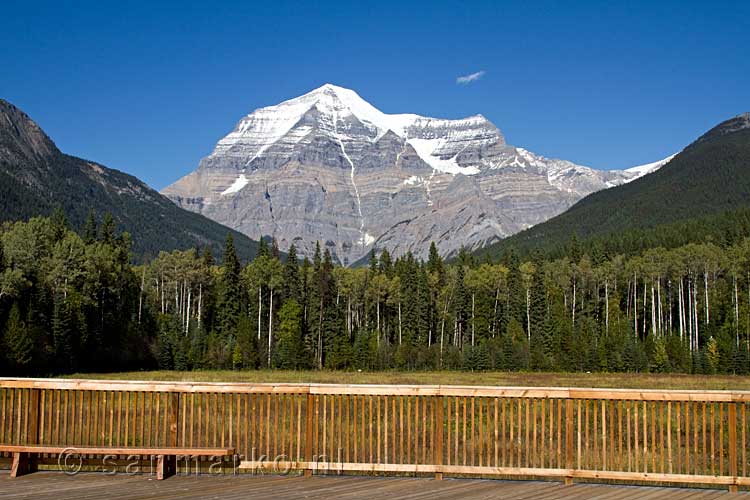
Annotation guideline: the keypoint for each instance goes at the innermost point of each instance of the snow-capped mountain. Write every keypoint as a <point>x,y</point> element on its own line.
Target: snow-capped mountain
<point>328,166</point>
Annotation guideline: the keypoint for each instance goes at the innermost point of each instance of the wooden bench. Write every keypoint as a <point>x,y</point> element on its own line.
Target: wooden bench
<point>24,457</point>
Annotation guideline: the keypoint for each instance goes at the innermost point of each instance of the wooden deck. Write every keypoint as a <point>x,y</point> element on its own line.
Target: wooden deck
<point>56,486</point>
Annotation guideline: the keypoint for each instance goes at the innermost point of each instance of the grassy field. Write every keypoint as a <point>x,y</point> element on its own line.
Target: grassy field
<point>605,380</point>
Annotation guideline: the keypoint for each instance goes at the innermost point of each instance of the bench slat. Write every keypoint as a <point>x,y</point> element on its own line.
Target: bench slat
<point>117,451</point>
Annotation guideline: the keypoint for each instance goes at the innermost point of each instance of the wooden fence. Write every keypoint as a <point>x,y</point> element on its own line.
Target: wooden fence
<point>595,434</point>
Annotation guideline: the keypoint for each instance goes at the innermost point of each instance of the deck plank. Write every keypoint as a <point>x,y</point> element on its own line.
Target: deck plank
<point>47,485</point>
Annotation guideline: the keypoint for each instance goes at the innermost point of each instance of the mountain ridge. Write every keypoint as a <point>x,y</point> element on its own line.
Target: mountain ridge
<point>36,177</point>
<point>328,166</point>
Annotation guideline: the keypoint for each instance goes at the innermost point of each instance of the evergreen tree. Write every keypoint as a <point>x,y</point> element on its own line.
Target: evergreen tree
<point>540,345</point>
<point>107,234</point>
<point>292,286</point>
<point>435,262</point>
<point>462,308</point>
<point>373,263</point>
<point>289,352</point>
<point>262,249</point>
<point>59,223</point>
<point>386,263</point>
<point>90,231</point>
<point>230,293</point>
<point>18,344</point>
<point>62,335</point>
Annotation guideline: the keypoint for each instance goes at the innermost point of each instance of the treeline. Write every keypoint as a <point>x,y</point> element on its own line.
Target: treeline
<point>71,302</point>
<point>723,229</point>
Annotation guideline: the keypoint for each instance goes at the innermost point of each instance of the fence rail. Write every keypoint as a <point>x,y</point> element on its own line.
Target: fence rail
<point>597,434</point>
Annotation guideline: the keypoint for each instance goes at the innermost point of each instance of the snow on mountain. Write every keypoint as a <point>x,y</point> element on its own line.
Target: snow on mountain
<point>328,166</point>
<point>237,185</point>
<point>264,127</point>
<point>642,170</point>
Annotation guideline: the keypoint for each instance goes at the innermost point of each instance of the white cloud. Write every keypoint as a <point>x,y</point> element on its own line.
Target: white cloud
<point>473,77</point>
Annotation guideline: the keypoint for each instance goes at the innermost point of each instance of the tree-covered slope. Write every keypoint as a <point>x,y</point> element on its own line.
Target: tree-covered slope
<point>36,177</point>
<point>709,177</point>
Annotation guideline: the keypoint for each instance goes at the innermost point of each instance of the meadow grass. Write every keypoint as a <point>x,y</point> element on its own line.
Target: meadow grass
<point>533,379</point>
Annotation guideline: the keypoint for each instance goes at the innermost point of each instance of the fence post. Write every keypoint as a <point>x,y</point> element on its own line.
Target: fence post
<point>33,422</point>
<point>569,439</point>
<point>174,419</point>
<point>438,451</point>
<point>733,445</point>
<point>309,435</point>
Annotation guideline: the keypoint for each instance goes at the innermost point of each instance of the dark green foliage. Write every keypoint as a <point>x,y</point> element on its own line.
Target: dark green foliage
<point>63,342</point>
<point>18,344</point>
<point>90,232</point>
<point>292,285</point>
<point>228,309</point>
<point>289,352</point>
<point>67,305</point>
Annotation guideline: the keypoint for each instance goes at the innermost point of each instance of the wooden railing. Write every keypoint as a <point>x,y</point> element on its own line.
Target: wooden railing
<point>682,437</point>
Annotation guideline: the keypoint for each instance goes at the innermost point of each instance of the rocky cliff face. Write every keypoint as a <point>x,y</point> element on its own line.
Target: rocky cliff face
<point>329,167</point>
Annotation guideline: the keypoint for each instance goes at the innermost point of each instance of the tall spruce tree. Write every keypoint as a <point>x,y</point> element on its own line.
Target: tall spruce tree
<point>292,286</point>
<point>18,344</point>
<point>62,335</point>
<point>107,234</point>
<point>90,231</point>
<point>228,310</point>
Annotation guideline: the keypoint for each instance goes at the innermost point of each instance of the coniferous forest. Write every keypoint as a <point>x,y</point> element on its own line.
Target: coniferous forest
<point>73,301</point>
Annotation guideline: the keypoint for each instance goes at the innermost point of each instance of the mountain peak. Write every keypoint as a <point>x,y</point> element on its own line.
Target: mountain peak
<point>20,136</point>
<point>739,122</point>
<point>333,109</point>
<point>330,87</point>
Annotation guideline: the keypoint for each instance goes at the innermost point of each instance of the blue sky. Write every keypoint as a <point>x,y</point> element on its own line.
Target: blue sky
<point>149,88</point>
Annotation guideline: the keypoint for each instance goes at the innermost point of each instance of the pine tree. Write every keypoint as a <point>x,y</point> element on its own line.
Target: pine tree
<point>208,257</point>
<point>262,249</point>
<point>476,358</point>
<point>462,307</point>
<point>435,263</point>
<point>335,347</point>
<point>292,285</point>
<point>317,296</point>
<point>575,249</point>
<point>541,353</point>
<point>660,362</point>
<point>165,351</point>
<point>289,352</point>
<point>230,292</point>
<point>59,223</point>
<point>373,263</point>
<point>108,229</point>
<point>18,343</point>
<point>386,263</point>
<point>62,335</point>
<point>90,231</point>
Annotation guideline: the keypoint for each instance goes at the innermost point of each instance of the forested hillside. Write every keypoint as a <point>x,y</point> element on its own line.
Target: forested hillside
<point>708,178</point>
<point>36,178</point>
<point>75,303</point>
